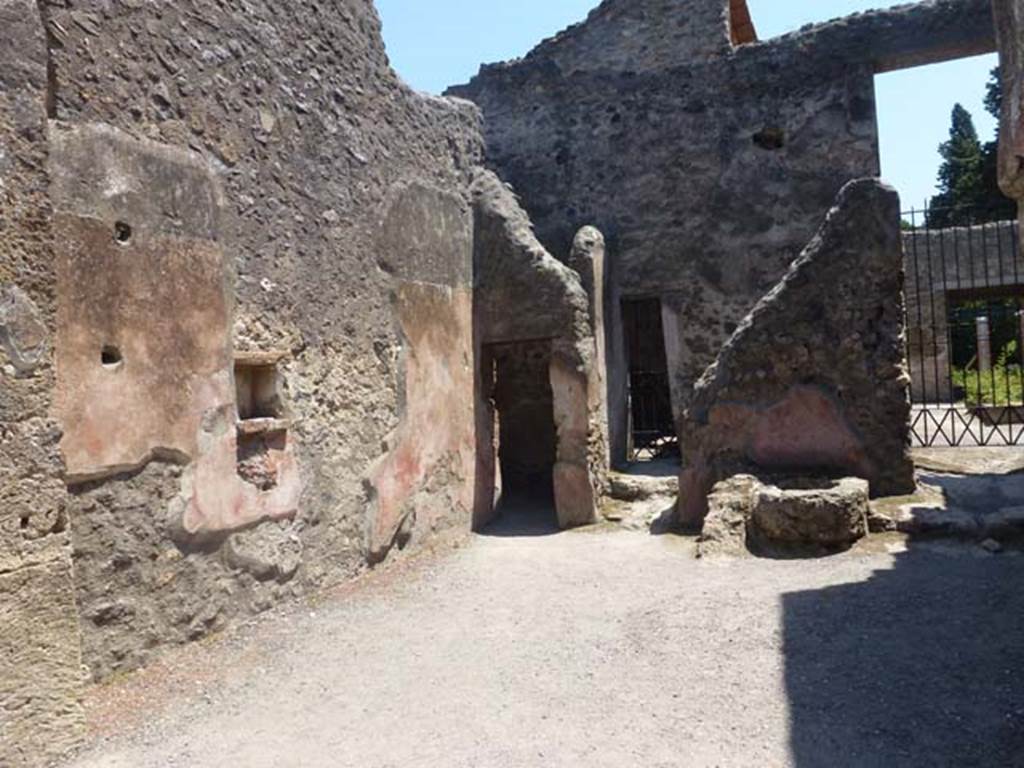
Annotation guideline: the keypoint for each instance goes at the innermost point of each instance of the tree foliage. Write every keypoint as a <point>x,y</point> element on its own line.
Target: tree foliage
<point>969,175</point>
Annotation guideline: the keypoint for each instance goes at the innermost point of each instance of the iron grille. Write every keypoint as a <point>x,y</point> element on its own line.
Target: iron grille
<point>653,426</point>
<point>965,313</point>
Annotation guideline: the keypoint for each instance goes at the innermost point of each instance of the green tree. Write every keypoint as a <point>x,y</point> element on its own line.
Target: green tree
<point>960,175</point>
<point>969,175</point>
<point>994,94</point>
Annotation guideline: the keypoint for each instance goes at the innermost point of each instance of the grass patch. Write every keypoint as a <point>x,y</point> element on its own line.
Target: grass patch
<point>1003,385</point>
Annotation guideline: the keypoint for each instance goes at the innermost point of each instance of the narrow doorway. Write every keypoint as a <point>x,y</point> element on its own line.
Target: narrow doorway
<point>652,431</point>
<point>526,437</point>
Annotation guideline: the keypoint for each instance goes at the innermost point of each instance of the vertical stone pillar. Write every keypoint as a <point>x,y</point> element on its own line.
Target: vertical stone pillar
<point>1020,337</point>
<point>587,258</point>
<point>40,646</point>
<point>1009,18</point>
<point>938,364</point>
<point>575,497</point>
<point>984,345</point>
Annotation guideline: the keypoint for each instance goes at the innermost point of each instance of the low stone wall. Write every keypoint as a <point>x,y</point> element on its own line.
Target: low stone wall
<point>790,515</point>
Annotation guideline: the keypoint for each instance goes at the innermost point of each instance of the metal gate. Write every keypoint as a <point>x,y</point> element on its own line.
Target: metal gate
<point>965,329</point>
<point>652,426</point>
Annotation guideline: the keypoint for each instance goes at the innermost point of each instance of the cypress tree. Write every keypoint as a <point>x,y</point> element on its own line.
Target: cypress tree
<point>960,175</point>
<point>969,175</point>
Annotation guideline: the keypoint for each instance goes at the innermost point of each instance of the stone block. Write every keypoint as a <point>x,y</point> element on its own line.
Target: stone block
<point>830,514</point>
<point>41,681</point>
<point>784,514</point>
<point>730,508</point>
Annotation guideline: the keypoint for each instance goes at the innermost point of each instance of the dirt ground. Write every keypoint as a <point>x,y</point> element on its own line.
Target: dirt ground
<point>604,648</point>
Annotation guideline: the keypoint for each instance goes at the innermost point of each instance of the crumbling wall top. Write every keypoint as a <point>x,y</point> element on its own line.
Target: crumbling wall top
<point>638,36</point>
<point>660,36</point>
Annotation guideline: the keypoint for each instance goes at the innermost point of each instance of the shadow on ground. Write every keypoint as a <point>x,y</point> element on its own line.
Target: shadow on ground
<point>663,467</point>
<point>524,514</point>
<point>922,665</point>
<point>978,494</point>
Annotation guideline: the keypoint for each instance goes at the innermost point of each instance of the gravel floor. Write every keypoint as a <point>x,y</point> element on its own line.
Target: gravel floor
<point>605,649</point>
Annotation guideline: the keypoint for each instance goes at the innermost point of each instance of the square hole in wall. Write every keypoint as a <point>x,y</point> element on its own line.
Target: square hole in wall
<point>257,387</point>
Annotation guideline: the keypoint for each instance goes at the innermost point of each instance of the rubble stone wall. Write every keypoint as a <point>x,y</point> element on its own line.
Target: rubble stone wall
<point>815,378</point>
<point>40,656</point>
<point>706,172</point>
<point>345,230</point>
<point>524,294</point>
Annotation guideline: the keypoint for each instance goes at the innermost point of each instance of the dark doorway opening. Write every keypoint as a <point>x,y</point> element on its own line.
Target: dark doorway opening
<point>652,430</point>
<point>526,438</point>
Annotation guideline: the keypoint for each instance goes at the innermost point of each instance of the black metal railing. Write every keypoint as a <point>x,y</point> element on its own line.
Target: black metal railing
<point>653,426</point>
<point>965,328</point>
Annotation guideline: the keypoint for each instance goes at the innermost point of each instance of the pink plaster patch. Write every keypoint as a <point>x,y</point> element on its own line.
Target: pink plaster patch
<point>437,431</point>
<point>805,430</point>
<point>218,499</point>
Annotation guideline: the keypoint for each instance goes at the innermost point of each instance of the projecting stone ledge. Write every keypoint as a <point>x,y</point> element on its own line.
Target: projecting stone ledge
<point>814,379</point>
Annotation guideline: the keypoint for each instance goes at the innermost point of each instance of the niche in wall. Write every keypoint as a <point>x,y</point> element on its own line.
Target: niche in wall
<point>262,427</point>
<point>258,385</point>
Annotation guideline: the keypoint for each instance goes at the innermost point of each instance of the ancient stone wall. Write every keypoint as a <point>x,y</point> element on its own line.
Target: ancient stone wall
<point>523,294</point>
<point>706,176</point>
<point>1009,22</point>
<point>815,378</point>
<point>906,35</point>
<point>707,169</point>
<point>40,656</point>
<point>256,182</point>
<point>638,36</point>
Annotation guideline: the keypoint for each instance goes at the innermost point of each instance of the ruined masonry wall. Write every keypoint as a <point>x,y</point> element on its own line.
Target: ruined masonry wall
<point>346,232</point>
<point>707,169</point>
<point>40,658</point>
<point>814,379</point>
<point>706,178</point>
<point>524,294</point>
<point>636,36</point>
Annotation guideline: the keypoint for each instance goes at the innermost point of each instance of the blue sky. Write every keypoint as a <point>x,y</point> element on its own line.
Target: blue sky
<point>436,43</point>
